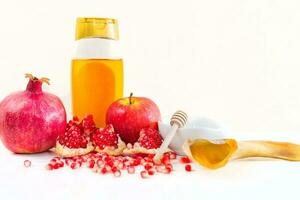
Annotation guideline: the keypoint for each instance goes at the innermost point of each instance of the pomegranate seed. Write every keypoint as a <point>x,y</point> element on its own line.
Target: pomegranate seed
<point>169,166</point>
<point>160,169</point>
<point>142,161</point>
<point>56,166</point>
<point>127,163</point>
<point>148,159</point>
<point>114,169</point>
<point>108,168</point>
<point>74,165</point>
<point>151,172</point>
<point>136,162</point>
<point>111,163</point>
<point>49,167</point>
<point>68,161</point>
<point>167,170</point>
<point>79,163</point>
<point>121,165</point>
<point>117,173</point>
<point>173,155</point>
<point>107,159</point>
<point>148,166</point>
<point>151,156</point>
<point>144,174</point>
<point>100,163</point>
<point>57,158</point>
<point>131,170</point>
<point>103,170</point>
<point>91,164</point>
<point>61,163</point>
<point>165,159</point>
<point>185,160</point>
<point>27,163</point>
<point>188,168</point>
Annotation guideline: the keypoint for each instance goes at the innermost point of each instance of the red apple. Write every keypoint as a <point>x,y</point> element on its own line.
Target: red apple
<point>129,115</point>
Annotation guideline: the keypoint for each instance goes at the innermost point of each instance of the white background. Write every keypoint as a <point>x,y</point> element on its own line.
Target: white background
<point>236,61</point>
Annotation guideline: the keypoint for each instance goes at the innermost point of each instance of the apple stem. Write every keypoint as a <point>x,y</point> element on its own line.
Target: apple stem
<point>130,102</point>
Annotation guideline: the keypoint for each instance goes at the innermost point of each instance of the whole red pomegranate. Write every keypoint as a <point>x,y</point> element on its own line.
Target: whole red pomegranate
<point>31,120</point>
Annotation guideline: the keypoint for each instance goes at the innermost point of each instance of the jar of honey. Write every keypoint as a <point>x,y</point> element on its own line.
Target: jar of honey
<point>97,68</point>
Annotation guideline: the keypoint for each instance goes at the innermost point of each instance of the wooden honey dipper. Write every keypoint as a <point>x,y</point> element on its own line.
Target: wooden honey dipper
<point>177,121</point>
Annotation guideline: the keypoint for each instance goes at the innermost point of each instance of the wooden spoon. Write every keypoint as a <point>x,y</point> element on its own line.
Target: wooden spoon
<point>216,153</point>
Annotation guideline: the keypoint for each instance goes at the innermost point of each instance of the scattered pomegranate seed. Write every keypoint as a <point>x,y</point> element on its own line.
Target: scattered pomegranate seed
<point>185,160</point>
<point>169,166</point>
<point>49,167</point>
<point>148,166</point>
<point>167,170</point>
<point>27,163</point>
<point>130,170</point>
<point>165,160</point>
<point>61,164</point>
<point>68,161</point>
<point>117,173</point>
<point>102,163</point>
<point>173,156</point>
<point>144,174</point>
<point>151,172</point>
<point>121,166</point>
<point>56,166</point>
<point>103,170</point>
<point>74,165</point>
<point>91,164</point>
<point>114,169</point>
<point>188,168</point>
<point>108,168</point>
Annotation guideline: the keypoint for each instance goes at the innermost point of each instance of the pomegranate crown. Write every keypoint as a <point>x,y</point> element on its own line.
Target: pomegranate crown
<point>35,79</point>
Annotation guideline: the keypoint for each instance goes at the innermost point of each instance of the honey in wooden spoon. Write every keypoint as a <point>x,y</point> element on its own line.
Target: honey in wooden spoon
<point>216,153</point>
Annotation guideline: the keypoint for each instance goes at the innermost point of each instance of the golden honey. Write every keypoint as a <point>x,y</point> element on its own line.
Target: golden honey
<point>96,84</point>
<point>209,154</point>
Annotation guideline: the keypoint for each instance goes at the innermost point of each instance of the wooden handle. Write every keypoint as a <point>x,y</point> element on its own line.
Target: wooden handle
<point>269,149</point>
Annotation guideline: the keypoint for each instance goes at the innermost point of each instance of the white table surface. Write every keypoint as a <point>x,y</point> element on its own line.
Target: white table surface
<point>245,179</point>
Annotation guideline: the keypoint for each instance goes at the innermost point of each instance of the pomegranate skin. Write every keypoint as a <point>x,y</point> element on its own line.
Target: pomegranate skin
<point>31,120</point>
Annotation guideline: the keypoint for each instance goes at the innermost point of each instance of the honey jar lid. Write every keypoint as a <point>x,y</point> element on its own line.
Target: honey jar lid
<point>87,27</point>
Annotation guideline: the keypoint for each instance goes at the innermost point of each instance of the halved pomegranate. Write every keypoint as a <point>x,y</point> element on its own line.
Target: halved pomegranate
<point>75,140</point>
<point>106,140</point>
<point>148,143</point>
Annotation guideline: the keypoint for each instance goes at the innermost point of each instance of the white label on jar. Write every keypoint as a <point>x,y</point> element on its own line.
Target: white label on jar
<point>97,48</point>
